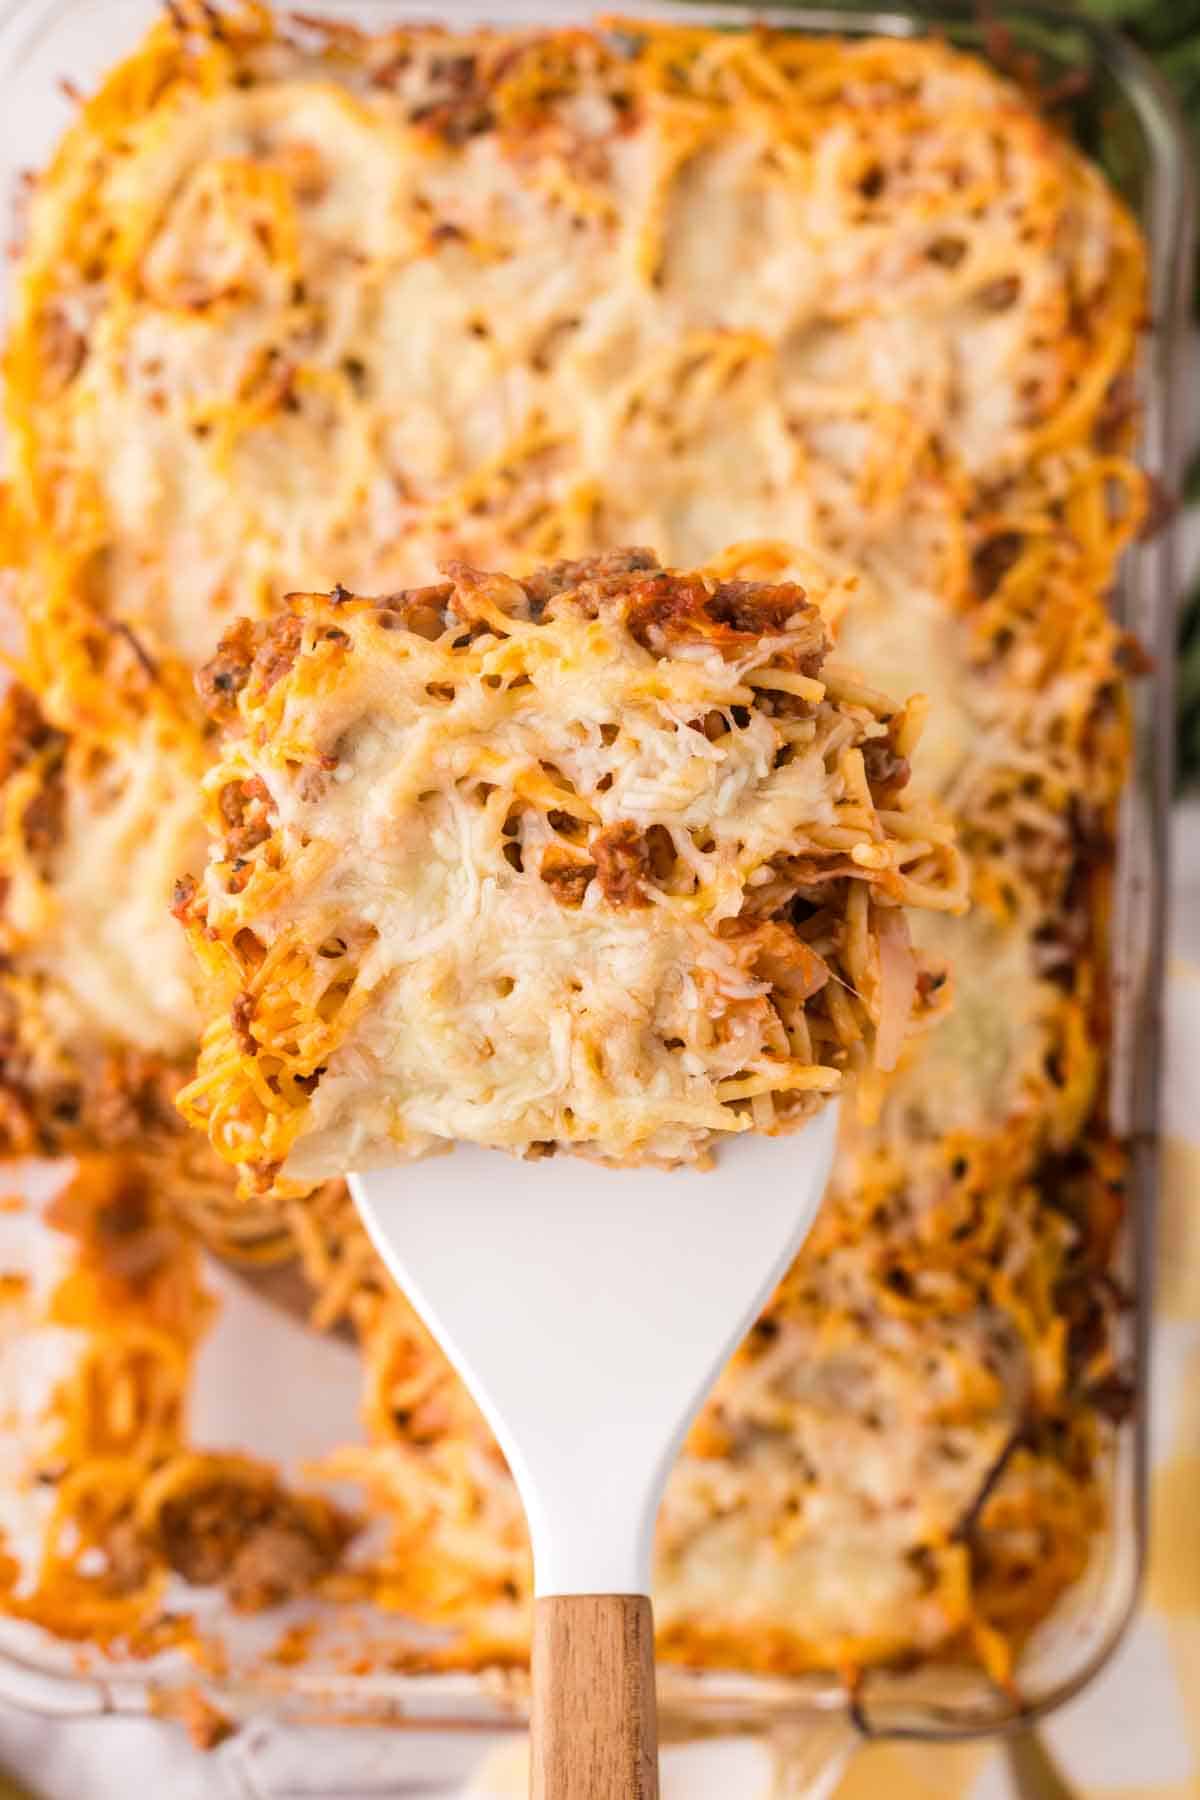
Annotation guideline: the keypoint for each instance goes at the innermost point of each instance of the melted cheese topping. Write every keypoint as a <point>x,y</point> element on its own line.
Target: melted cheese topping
<point>902,636</point>
<point>979,1062</point>
<point>341,336</point>
<point>96,922</point>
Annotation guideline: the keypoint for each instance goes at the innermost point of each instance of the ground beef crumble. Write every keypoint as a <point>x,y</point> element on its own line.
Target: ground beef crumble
<point>422,610</point>
<point>566,875</point>
<point>241,1013</point>
<point>594,577</point>
<point>265,652</point>
<point>262,1545</point>
<point>278,650</point>
<point>182,897</point>
<point>622,861</point>
<point>887,772</point>
<point>222,679</point>
<point>244,809</point>
<point>663,611</point>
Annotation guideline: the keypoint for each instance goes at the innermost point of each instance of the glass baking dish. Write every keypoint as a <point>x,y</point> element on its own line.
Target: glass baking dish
<point>1127,120</point>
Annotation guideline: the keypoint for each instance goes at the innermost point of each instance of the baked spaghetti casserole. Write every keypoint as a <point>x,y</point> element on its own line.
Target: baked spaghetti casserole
<point>300,306</point>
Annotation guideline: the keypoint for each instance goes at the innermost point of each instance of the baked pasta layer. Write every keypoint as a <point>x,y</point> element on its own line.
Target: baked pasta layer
<point>300,307</point>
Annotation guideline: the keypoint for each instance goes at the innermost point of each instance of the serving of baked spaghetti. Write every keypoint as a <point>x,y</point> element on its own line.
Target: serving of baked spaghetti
<point>299,307</point>
<point>574,862</point>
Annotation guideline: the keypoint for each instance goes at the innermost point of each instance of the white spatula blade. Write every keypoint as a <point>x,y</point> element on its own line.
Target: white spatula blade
<point>590,1310</point>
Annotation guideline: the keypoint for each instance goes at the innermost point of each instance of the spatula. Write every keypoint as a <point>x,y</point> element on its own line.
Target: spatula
<point>589,1310</point>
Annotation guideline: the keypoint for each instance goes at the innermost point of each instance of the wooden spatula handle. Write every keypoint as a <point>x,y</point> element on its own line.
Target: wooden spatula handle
<point>595,1725</point>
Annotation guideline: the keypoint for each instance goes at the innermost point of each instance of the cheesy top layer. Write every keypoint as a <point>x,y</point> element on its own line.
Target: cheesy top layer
<point>95,838</point>
<point>527,296</point>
